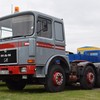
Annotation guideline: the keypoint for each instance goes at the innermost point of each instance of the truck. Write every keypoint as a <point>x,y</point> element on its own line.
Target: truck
<point>32,51</point>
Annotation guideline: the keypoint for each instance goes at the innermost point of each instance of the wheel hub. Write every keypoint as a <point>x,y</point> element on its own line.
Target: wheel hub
<point>90,77</point>
<point>57,78</point>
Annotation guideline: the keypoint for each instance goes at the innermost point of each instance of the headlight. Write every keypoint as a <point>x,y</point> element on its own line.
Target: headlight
<point>23,69</point>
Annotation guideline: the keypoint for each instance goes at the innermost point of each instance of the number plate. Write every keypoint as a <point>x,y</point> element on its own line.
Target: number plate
<point>8,56</point>
<point>4,72</point>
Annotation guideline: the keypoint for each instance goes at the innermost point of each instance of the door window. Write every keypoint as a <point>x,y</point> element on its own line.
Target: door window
<point>44,28</point>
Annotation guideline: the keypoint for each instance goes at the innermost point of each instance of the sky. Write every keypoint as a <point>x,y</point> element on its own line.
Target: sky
<point>81,18</point>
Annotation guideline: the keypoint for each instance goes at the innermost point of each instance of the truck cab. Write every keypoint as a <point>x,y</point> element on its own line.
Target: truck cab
<point>32,47</point>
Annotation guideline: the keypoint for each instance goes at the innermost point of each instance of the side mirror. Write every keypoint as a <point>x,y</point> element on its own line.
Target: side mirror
<point>45,26</point>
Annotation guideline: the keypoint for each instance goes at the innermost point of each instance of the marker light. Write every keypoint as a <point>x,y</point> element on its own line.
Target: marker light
<point>31,61</point>
<point>16,9</point>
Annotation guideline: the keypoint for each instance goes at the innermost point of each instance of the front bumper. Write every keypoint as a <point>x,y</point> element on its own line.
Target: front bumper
<point>17,70</point>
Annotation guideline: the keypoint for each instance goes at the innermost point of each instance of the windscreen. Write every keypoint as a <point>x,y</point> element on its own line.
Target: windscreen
<point>16,26</point>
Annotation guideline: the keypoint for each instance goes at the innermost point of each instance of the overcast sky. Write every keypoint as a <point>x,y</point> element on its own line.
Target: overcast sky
<point>81,18</point>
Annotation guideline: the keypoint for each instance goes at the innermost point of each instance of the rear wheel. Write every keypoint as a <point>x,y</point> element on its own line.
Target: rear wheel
<point>15,84</point>
<point>55,80</point>
<point>98,79</point>
<point>87,81</point>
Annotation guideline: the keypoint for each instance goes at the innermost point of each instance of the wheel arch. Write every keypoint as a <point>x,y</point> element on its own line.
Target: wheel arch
<point>58,59</point>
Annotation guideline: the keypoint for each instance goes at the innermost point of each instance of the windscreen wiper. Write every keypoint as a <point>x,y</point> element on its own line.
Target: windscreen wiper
<point>6,38</point>
<point>18,36</point>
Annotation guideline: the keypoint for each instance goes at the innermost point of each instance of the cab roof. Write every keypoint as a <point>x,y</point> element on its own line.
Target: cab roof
<point>35,13</point>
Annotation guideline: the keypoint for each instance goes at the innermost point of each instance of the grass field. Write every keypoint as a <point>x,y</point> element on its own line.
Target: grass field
<point>39,93</point>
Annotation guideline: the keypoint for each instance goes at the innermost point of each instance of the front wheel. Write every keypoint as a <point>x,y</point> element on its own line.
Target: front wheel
<point>87,81</point>
<point>55,80</point>
<point>15,84</point>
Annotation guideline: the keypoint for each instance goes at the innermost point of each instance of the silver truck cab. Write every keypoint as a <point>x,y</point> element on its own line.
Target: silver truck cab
<point>31,44</point>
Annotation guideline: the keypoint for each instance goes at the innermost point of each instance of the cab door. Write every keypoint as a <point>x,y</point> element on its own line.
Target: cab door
<point>44,41</point>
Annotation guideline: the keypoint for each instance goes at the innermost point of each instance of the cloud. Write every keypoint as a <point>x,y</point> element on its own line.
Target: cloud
<point>81,18</point>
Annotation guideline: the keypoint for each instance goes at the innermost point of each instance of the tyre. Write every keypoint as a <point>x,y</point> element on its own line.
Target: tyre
<point>98,82</point>
<point>98,79</point>
<point>15,85</point>
<point>55,80</point>
<point>87,81</point>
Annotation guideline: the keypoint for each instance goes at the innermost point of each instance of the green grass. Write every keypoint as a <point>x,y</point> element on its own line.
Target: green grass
<point>39,93</point>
